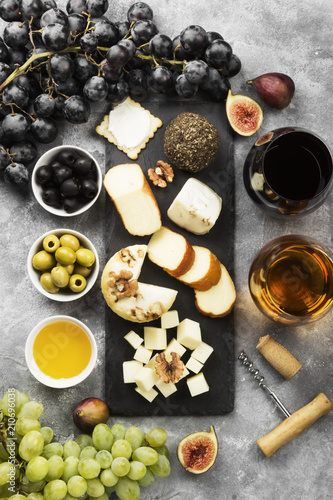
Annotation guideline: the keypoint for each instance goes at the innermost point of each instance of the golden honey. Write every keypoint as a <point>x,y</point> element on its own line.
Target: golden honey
<point>62,350</point>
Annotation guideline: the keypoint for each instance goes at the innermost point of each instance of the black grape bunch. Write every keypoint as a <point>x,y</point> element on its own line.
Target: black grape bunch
<point>55,65</point>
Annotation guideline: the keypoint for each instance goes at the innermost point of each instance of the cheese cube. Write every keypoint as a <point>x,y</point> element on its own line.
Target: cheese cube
<point>194,365</point>
<point>146,378</point>
<point>155,338</point>
<point>169,319</point>
<point>175,346</point>
<point>130,369</point>
<point>151,362</point>
<point>166,388</point>
<point>134,339</point>
<point>142,354</point>
<point>149,395</point>
<point>196,207</point>
<point>202,352</point>
<point>185,373</point>
<point>189,333</point>
<point>197,384</point>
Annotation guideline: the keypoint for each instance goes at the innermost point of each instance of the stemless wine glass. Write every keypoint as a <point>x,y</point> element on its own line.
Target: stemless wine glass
<point>291,279</point>
<point>288,172</point>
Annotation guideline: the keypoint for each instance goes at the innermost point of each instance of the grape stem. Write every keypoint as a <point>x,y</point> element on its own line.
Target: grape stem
<point>19,71</point>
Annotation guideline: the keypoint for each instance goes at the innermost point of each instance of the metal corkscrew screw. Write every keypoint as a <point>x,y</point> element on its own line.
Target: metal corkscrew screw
<point>260,380</point>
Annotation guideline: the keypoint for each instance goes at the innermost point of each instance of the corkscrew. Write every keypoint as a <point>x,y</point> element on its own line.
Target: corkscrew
<point>260,379</point>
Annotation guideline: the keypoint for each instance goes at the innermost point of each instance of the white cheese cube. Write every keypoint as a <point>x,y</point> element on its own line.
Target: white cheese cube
<point>175,346</point>
<point>155,338</point>
<point>151,362</point>
<point>130,369</point>
<point>169,319</point>
<point>196,207</point>
<point>149,395</point>
<point>202,352</point>
<point>185,373</point>
<point>189,333</point>
<point>166,388</point>
<point>134,339</point>
<point>197,384</point>
<point>142,354</point>
<point>146,378</point>
<point>194,365</point>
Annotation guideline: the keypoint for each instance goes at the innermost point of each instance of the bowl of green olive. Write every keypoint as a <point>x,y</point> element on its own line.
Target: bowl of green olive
<point>66,180</point>
<point>63,265</point>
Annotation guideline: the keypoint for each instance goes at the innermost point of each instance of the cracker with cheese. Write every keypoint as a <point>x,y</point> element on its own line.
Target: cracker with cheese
<point>129,126</point>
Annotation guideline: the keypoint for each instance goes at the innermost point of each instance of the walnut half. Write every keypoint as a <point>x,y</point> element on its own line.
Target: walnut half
<point>122,285</point>
<point>169,367</point>
<point>162,174</point>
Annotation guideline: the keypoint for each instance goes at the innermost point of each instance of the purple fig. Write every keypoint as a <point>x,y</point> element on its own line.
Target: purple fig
<point>274,89</point>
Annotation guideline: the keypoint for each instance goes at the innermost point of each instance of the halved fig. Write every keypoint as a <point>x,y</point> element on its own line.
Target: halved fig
<point>244,114</point>
<point>197,451</point>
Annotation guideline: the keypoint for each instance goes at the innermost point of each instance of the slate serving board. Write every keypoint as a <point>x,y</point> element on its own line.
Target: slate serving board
<point>218,332</point>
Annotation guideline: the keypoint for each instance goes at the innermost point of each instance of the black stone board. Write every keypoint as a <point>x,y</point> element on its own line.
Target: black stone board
<point>218,332</point>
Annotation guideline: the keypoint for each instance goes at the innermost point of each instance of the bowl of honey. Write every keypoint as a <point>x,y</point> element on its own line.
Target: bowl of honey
<point>60,351</point>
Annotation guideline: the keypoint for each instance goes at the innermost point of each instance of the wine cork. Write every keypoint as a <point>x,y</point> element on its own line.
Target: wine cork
<point>278,356</point>
<point>295,424</point>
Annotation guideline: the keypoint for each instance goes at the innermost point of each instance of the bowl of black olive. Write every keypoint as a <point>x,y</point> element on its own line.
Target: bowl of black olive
<point>66,180</point>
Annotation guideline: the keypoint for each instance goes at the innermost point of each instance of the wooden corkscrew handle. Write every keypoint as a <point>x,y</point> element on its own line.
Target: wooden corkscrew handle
<point>294,425</point>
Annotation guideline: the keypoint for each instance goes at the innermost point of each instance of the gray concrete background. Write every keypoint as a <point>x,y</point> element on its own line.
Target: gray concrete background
<point>287,36</point>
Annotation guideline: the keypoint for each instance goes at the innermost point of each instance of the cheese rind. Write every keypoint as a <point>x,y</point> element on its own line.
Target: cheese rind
<point>189,333</point>
<point>196,207</point>
<point>205,271</point>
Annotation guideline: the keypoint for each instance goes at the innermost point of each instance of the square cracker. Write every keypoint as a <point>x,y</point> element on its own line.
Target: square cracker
<point>103,129</point>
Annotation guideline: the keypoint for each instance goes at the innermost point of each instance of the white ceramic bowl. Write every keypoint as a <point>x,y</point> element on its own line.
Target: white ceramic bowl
<point>45,159</point>
<point>59,383</point>
<point>65,295</point>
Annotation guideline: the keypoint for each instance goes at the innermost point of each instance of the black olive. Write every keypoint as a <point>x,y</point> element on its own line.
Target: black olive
<point>70,187</point>
<point>89,188</point>
<point>71,204</point>
<point>44,174</point>
<point>52,197</point>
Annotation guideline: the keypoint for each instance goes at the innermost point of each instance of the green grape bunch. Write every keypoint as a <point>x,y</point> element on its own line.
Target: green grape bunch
<point>34,466</point>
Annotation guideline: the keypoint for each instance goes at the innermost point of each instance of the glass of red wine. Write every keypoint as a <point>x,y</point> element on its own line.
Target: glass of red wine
<point>288,172</point>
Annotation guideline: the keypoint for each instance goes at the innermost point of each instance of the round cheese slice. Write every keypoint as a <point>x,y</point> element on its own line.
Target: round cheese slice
<point>205,271</point>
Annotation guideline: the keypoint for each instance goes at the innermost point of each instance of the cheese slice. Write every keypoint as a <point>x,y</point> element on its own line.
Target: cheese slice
<point>196,207</point>
<point>205,271</point>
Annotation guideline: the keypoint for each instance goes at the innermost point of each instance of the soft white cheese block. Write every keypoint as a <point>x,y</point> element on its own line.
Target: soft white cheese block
<point>189,333</point>
<point>202,352</point>
<point>133,339</point>
<point>197,384</point>
<point>130,125</point>
<point>155,338</point>
<point>130,369</point>
<point>196,207</point>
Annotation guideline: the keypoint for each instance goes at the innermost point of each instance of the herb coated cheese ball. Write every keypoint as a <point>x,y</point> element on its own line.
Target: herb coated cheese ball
<point>191,142</point>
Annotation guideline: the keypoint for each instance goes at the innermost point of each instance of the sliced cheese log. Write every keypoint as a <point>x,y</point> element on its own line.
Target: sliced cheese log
<point>205,271</point>
<point>171,251</point>
<point>133,198</point>
<point>219,300</point>
<point>196,207</point>
<point>150,302</point>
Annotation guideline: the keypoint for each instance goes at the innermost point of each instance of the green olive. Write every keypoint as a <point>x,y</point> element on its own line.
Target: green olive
<point>69,240</point>
<point>65,256</point>
<point>47,283</point>
<point>43,261</point>
<point>85,257</point>
<point>77,283</point>
<point>60,276</point>
<point>84,271</point>
<point>69,268</point>
<point>51,243</point>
